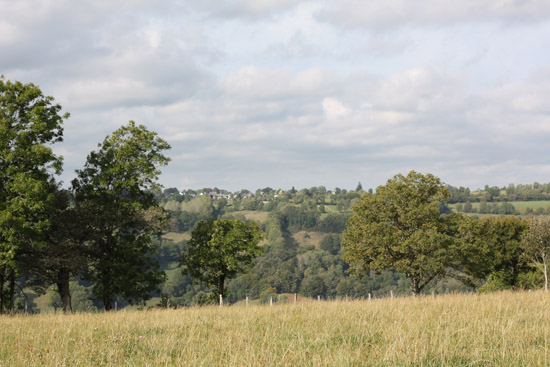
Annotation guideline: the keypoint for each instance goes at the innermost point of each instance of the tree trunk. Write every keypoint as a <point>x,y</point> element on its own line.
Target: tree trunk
<point>545,276</point>
<point>415,287</point>
<point>220,285</point>
<point>2,280</point>
<point>12,291</point>
<point>63,279</point>
<point>107,302</point>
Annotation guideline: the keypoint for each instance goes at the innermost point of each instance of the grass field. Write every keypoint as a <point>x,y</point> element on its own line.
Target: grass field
<point>519,205</point>
<point>500,329</point>
<point>308,238</point>
<point>258,216</point>
<point>177,237</point>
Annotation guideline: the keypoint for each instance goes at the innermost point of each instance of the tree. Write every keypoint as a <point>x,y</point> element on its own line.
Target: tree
<point>331,243</point>
<point>219,249</point>
<point>536,244</point>
<point>400,227</point>
<point>491,250</point>
<point>116,187</point>
<point>29,123</point>
<point>63,256</point>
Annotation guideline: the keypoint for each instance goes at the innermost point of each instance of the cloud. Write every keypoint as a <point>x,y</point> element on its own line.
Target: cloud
<point>397,13</point>
<point>244,9</point>
<point>296,93</point>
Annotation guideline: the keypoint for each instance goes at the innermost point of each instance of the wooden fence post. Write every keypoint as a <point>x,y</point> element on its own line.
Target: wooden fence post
<point>271,301</point>
<point>221,300</point>
<point>246,301</point>
<point>295,298</point>
<point>369,296</point>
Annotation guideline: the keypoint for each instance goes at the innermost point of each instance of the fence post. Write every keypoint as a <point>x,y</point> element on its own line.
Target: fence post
<point>391,293</point>
<point>271,301</point>
<point>369,296</point>
<point>295,298</point>
<point>246,301</point>
<point>221,300</point>
<point>318,298</point>
<point>116,306</point>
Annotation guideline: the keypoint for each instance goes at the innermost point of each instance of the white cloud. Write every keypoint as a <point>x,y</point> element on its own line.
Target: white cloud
<point>252,9</point>
<point>263,93</point>
<point>396,13</point>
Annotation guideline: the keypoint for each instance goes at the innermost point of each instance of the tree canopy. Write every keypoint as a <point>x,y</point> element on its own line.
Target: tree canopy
<point>400,228</point>
<point>219,249</point>
<point>114,188</point>
<point>29,123</point>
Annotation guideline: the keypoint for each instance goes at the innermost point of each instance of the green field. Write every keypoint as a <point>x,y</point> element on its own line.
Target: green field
<point>519,205</point>
<point>500,329</point>
<point>258,216</point>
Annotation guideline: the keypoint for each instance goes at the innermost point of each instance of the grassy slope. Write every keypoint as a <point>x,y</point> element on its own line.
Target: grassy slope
<point>177,237</point>
<point>502,329</point>
<point>309,238</point>
<point>254,215</point>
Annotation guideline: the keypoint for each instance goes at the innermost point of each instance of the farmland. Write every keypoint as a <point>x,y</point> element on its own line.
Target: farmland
<point>501,329</point>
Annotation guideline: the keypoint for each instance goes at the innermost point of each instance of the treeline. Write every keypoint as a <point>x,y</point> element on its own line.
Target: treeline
<point>521,192</point>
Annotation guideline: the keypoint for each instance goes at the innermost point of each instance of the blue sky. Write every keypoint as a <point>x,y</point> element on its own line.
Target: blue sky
<point>282,93</point>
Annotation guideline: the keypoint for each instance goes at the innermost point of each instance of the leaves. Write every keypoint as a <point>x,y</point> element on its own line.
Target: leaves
<point>29,123</point>
<point>220,249</point>
<point>115,188</point>
<point>400,227</point>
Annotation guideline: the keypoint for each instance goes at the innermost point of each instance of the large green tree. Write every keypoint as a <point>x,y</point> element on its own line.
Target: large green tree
<point>400,227</point>
<point>219,249</point>
<point>29,123</point>
<point>116,189</point>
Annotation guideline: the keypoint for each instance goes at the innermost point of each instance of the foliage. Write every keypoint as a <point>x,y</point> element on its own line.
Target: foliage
<point>29,123</point>
<point>536,246</point>
<point>114,189</point>
<point>492,246</point>
<point>219,249</point>
<point>64,255</point>
<point>400,227</point>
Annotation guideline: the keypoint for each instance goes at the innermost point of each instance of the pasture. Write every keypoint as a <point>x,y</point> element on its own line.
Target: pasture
<point>499,329</point>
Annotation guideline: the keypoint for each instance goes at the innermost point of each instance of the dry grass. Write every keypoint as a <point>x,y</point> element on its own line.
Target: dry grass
<point>257,216</point>
<point>306,238</point>
<point>503,329</point>
<point>177,237</point>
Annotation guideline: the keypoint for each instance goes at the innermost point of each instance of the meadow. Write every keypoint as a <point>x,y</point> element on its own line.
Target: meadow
<point>498,329</point>
<point>520,206</point>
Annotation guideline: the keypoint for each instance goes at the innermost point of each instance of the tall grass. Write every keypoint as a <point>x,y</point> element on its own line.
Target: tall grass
<point>502,329</point>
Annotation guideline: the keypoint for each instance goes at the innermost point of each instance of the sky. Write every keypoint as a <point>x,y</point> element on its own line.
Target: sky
<point>281,93</point>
